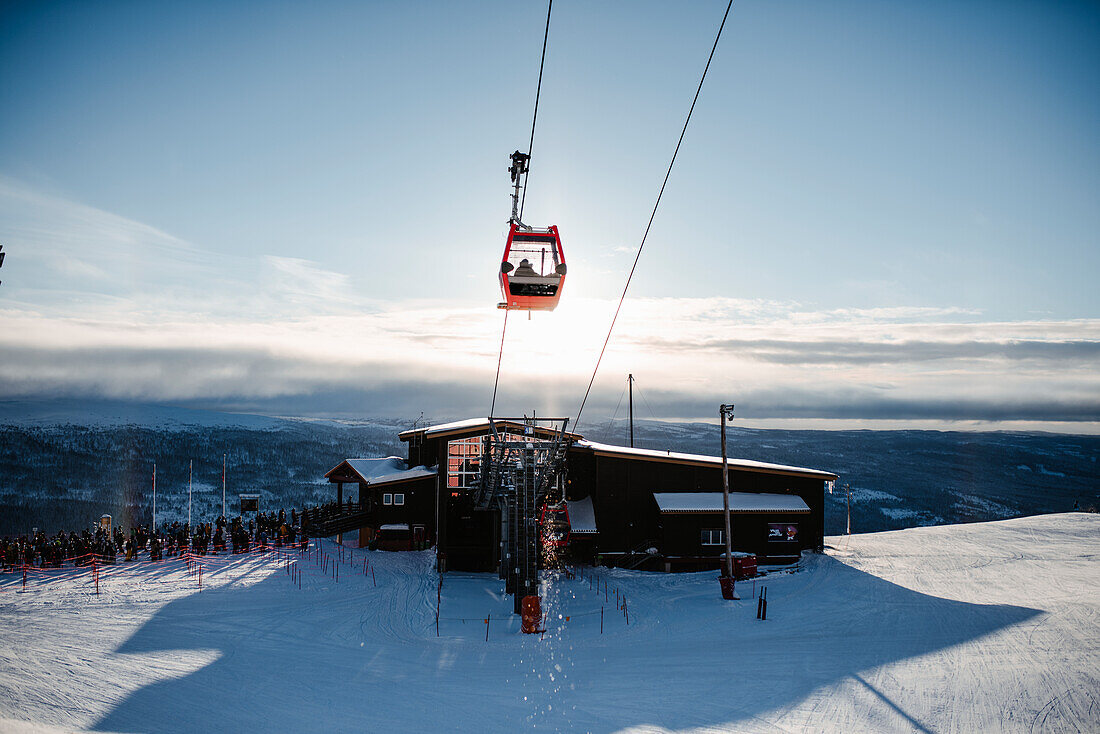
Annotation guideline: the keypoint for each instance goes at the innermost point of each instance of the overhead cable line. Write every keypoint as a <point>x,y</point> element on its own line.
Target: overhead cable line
<point>500,357</point>
<point>618,308</point>
<point>535,117</point>
<point>526,176</point>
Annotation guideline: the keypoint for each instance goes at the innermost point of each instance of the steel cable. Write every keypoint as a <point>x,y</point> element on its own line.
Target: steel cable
<point>500,357</point>
<point>615,318</point>
<point>535,117</point>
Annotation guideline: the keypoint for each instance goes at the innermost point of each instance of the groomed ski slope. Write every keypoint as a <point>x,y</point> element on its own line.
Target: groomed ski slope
<point>983,627</point>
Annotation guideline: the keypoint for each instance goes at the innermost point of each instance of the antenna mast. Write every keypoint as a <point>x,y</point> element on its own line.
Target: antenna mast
<point>630,384</point>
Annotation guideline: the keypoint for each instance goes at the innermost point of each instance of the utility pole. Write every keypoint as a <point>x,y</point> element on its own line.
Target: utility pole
<point>630,384</point>
<point>723,411</point>
<point>848,491</point>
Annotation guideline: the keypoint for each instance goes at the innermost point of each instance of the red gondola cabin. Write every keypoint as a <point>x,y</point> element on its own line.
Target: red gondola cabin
<point>532,271</point>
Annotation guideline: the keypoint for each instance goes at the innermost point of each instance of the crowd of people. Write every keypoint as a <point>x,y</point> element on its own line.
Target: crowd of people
<point>101,545</point>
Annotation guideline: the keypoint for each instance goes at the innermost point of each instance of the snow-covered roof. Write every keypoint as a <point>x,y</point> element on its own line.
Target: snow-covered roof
<point>582,517</point>
<point>370,468</point>
<point>417,472</point>
<point>465,425</point>
<point>448,427</point>
<point>676,456</point>
<point>380,471</point>
<point>395,526</point>
<point>741,502</point>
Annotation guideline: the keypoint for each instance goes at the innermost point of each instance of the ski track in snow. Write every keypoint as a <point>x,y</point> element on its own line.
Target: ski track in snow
<point>979,627</point>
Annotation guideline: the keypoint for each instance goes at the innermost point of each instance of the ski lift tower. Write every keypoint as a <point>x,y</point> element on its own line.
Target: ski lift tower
<point>519,471</point>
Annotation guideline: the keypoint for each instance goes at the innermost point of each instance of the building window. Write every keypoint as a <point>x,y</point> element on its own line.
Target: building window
<point>387,499</point>
<point>712,537</point>
<point>399,498</point>
<point>464,462</point>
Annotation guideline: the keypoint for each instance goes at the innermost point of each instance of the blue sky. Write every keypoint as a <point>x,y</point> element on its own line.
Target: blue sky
<point>883,211</point>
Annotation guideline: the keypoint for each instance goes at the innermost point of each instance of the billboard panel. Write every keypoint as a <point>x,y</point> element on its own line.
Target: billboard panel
<point>782,532</point>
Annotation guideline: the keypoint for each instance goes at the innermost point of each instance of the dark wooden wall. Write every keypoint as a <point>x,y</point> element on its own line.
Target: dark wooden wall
<point>419,507</point>
<point>627,515</point>
<point>680,534</point>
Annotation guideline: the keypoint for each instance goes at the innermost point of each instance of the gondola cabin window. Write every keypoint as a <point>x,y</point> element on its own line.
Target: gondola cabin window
<point>387,499</point>
<point>399,498</point>
<point>533,269</point>
<point>712,537</point>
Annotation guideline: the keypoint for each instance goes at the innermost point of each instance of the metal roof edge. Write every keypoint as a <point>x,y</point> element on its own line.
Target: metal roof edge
<point>674,457</point>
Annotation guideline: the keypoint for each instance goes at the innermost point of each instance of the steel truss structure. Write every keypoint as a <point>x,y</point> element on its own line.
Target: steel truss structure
<point>518,474</point>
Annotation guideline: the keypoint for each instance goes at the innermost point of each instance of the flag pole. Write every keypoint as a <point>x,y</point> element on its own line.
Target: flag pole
<point>154,497</point>
<point>223,485</point>
<point>190,473</point>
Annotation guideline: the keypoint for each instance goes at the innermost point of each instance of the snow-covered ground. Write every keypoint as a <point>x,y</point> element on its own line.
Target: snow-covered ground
<point>982,627</point>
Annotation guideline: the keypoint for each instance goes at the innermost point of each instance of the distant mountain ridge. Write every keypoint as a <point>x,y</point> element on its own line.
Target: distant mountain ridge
<point>114,413</point>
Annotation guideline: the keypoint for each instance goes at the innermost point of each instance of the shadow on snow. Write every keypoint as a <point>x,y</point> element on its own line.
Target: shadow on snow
<point>365,659</point>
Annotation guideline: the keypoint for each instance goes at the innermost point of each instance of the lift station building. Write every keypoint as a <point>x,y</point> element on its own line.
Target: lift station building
<point>656,510</point>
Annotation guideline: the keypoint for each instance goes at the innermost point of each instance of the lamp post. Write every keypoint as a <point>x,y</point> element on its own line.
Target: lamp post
<point>723,411</point>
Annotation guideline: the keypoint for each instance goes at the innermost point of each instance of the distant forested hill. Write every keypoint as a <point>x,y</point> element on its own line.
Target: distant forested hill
<point>67,476</point>
<point>58,473</point>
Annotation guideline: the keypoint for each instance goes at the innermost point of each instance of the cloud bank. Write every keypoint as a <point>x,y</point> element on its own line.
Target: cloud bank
<point>94,305</point>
